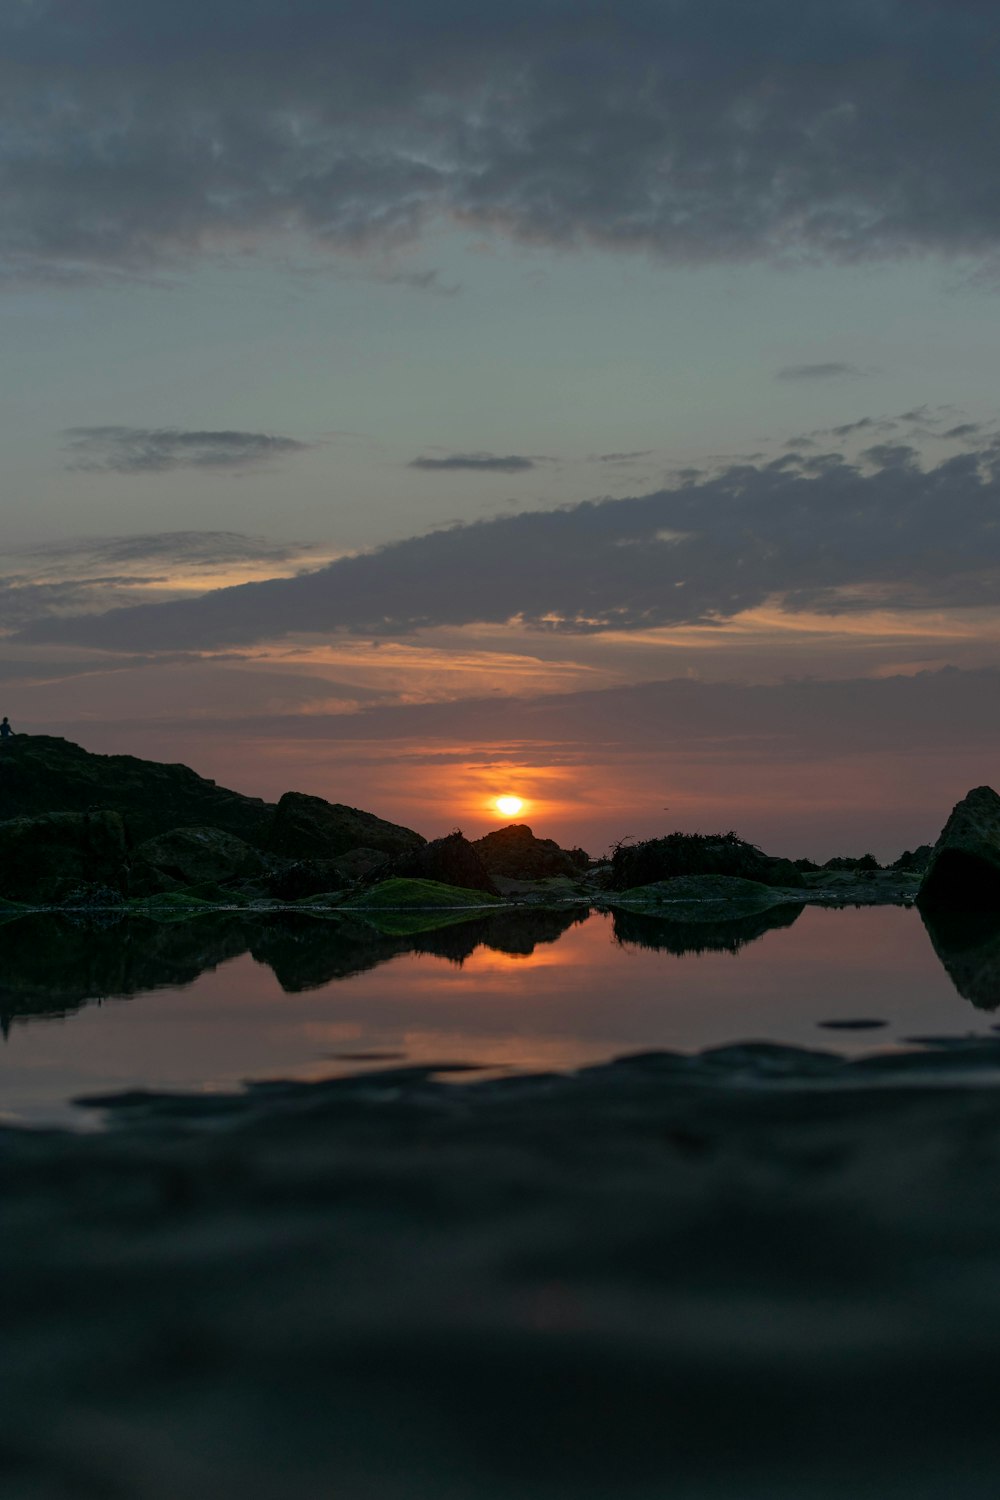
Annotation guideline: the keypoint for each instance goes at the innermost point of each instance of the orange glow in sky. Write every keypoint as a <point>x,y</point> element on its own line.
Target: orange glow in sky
<point>509,806</point>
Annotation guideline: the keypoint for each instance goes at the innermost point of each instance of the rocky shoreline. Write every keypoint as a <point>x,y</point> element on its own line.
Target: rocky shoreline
<point>752,1273</point>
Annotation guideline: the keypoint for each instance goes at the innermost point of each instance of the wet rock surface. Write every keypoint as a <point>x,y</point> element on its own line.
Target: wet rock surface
<point>753,1273</point>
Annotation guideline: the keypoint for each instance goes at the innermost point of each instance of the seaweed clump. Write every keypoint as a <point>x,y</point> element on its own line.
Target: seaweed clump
<point>697,854</point>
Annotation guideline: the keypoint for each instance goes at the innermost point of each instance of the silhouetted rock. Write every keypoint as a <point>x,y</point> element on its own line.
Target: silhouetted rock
<point>55,858</point>
<point>516,854</point>
<point>698,854</point>
<point>964,867</point>
<point>41,774</point>
<point>191,856</point>
<point>307,827</point>
<point>450,861</point>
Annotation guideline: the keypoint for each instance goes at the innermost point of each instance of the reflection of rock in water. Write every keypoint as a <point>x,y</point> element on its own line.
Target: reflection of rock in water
<point>968,944</point>
<point>515,932</point>
<point>306,953</point>
<point>52,966</point>
<point>639,929</point>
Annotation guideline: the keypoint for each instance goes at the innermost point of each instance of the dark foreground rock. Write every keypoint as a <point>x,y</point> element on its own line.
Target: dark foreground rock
<point>964,866</point>
<point>307,827</point>
<point>757,1274</point>
<point>57,858</point>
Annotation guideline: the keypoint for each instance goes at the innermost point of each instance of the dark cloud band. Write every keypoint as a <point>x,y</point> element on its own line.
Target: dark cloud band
<point>803,532</point>
<point>703,129</point>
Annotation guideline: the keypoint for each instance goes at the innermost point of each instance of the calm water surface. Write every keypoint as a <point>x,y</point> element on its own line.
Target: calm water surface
<point>209,1004</point>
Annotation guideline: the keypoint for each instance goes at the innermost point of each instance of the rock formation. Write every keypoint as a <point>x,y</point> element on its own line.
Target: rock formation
<point>964,867</point>
<point>191,856</point>
<point>58,857</point>
<point>698,854</point>
<point>307,827</point>
<point>451,861</point>
<point>516,854</point>
<point>42,774</point>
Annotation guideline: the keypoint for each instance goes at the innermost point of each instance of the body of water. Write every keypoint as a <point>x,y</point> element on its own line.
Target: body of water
<point>211,1003</point>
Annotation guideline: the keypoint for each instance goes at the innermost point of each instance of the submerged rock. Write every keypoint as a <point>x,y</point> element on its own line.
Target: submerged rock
<point>307,827</point>
<point>964,867</point>
<point>57,858</point>
<point>516,854</point>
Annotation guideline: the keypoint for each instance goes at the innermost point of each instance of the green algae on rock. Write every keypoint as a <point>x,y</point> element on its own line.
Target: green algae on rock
<point>700,898</point>
<point>405,906</point>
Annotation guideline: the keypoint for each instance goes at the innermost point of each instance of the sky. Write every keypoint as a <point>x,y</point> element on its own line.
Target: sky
<point>595,404</point>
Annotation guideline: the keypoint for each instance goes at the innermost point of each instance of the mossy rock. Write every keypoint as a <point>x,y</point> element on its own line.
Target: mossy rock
<point>701,898</point>
<point>401,906</point>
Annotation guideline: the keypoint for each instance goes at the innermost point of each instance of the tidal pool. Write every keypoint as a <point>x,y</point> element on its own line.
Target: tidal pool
<point>205,1005</point>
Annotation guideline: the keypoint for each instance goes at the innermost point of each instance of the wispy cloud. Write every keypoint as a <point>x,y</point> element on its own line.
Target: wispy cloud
<point>155,450</point>
<point>620,458</point>
<point>832,370</point>
<point>477,463</point>
<point>81,575</point>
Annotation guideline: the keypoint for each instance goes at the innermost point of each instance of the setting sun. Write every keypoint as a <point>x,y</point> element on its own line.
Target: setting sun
<point>509,806</point>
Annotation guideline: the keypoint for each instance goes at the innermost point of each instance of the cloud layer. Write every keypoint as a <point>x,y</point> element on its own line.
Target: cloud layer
<point>806,532</point>
<point>154,450</point>
<point>703,129</point>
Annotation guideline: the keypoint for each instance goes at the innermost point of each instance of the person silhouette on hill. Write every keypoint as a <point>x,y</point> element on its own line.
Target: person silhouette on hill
<point>6,733</point>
